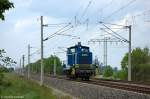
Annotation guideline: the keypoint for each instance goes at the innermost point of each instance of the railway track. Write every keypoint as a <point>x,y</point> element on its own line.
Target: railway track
<point>120,85</point>
<point>125,81</point>
<point>139,88</point>
<point>145,89</point>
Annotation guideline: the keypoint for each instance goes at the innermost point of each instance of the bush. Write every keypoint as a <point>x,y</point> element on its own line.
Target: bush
<point>4,83</point>
<point>1,77</point>
<point>3,69</point>
<point>108,72</point>
<point>115,76</point>
<point>122,74</point>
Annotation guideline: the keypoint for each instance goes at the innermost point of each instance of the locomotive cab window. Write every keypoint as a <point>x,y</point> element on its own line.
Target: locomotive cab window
<point>72,50</point>
<point>85,50</point>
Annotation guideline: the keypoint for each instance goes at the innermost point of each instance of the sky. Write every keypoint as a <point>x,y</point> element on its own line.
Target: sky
<point>22,26</point>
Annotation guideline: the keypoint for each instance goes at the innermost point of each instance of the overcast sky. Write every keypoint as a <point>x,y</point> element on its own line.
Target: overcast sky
<point>22,26</point>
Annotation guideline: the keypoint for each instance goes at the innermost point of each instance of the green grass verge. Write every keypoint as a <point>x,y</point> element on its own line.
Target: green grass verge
<point>26,89</point>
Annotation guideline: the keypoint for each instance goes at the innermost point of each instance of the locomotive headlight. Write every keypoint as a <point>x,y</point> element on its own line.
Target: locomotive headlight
<point>77,66</point>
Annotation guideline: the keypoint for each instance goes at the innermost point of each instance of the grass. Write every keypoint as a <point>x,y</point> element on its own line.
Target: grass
<point>26,89</point>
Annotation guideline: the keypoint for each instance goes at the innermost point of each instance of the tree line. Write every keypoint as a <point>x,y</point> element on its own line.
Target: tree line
<point>48,65</point>
<point>140,59</point>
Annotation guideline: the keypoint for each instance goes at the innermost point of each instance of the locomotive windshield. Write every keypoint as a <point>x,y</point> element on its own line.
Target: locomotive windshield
<point>71,50</point>
<point>85,50</point>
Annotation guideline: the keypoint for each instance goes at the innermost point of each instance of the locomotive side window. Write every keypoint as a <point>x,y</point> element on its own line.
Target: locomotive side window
<point>72,50</point>
<point>85,50</point>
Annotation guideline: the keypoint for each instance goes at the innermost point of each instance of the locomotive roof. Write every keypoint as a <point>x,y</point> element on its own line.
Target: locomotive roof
<point>78,45</point>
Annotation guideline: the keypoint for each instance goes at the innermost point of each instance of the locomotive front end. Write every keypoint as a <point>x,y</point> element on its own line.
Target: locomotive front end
<point>80,62</point>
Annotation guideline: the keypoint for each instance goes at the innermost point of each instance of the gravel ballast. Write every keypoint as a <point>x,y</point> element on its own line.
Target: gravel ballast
<point>91,91</point>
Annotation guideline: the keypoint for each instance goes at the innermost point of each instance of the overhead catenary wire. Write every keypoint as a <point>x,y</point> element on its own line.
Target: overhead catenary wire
<point>104,7</point>
<point>141,14</point>
<point>101,22</point>
<point>36,52</point>
<point>56,24</point>
<point>77,22</point>
<point>69,35</point>
<point>58,31</point>
<point>121,8</point>
<point>86,9</point>
<point>119,36</point>
<point>144,13</point>
<point>112,34</point>
<point>111,40</point>
<point>107,33</point>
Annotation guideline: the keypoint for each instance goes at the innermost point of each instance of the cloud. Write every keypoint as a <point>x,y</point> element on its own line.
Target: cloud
<point>22,25</point>
<point>21,3</point>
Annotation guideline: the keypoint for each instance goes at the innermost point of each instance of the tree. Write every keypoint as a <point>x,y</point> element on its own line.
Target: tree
<point>139,56</point>
<point>5,5</point>
<point>122,74</point>
<point>5,60</point>
<point>108,72</point>
<point>140,61</point>
<point>115,71</point>
<point>48,65</point>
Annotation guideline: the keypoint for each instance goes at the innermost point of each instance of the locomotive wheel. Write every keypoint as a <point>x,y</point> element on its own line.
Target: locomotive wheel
<point>82,78</point>
<point>86,78</point>
<point>72,77</point>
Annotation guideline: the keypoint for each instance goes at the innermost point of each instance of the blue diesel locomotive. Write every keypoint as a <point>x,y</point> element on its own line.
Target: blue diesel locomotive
<point>79,61</point>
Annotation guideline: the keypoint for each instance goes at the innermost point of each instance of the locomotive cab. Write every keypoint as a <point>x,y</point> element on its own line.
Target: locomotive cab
<point>79,61</point>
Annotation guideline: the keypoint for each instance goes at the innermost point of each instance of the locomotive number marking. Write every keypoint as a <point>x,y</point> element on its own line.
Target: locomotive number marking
<point>84,55</point>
